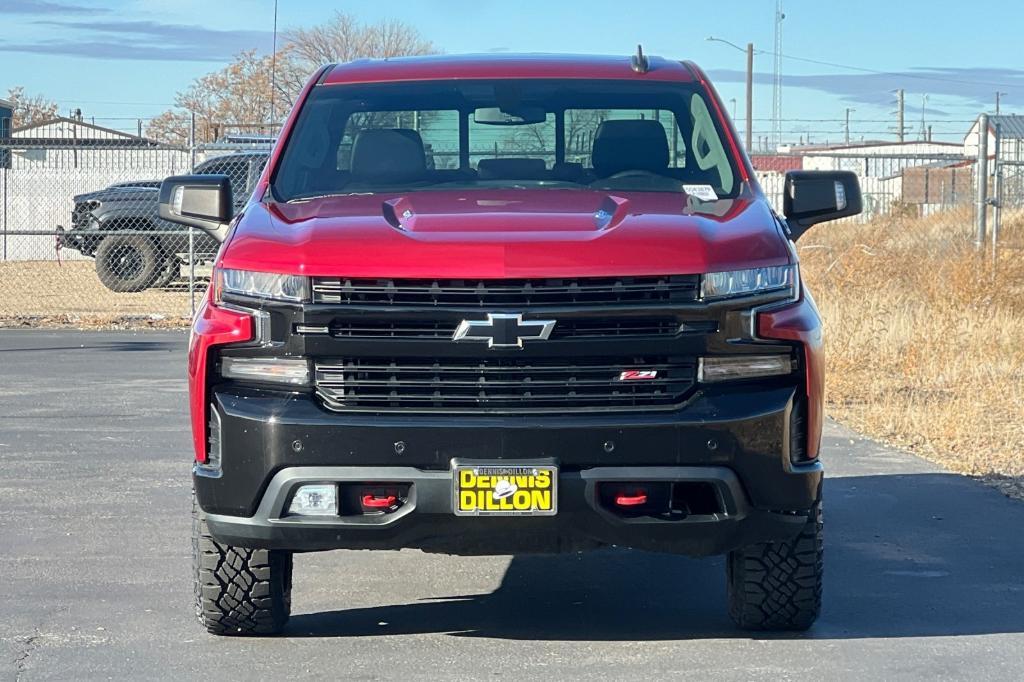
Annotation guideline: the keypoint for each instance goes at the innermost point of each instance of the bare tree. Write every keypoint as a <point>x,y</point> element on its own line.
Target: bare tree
<point>30,109</point>
<point>239,95</point>
<point>342,39</point>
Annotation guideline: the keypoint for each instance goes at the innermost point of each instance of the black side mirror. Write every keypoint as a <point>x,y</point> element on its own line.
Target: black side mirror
<point>202,201</point>
<point>812,197</point>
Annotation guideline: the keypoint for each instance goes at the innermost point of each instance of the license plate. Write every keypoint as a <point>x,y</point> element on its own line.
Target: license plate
<point>505,490</point>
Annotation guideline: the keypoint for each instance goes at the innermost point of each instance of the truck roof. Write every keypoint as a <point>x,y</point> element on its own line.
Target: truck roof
<point>501,66</point>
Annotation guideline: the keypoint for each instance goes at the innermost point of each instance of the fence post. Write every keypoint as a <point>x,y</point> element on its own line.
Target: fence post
<point>4,171</point>
<point>981,181</point>
<point>192,230</point>
<point>997,191</point>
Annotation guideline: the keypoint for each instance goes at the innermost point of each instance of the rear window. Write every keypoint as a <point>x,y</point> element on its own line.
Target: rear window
<point>529,134</point>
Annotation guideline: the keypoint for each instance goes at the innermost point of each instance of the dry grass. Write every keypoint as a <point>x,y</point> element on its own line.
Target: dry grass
<point>47,293</point>
<point>925,338</point>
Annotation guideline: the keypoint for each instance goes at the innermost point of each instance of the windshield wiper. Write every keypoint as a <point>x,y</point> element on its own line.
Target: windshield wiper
<point>301,200</point>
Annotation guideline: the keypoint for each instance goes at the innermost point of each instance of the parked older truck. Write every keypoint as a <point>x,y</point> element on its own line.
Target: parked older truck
<point>134,248</point>
<point>580,325</point>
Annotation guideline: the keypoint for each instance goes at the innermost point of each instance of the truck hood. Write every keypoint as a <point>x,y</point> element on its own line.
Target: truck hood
<point>506,234</point>
<point>129,191</point>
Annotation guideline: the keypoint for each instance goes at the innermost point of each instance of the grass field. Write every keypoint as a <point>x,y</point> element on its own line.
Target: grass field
<point>925,338</point>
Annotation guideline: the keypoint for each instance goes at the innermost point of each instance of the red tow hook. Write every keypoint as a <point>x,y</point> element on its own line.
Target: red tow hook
<point>374,502</point>
<point>638,498</point>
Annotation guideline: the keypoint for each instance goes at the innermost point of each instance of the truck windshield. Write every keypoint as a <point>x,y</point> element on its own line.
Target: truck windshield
<point>509,134</point>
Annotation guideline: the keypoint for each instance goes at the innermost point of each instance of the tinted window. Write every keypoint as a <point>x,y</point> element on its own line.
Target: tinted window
<point>611,135</point>
<point>236,168</point>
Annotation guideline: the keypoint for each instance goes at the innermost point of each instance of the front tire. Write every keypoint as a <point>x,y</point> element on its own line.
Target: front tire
<point>777,585</point>
<point>128,263</point>
<point>238,591</point>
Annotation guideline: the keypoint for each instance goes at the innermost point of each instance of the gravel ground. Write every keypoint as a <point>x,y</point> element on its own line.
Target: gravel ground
<point>922,579</point>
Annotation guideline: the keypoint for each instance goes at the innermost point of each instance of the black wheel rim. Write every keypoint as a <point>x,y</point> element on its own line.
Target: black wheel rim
<point>127,262</point>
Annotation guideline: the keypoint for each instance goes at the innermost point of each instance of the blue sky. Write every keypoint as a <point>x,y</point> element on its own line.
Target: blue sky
<point>123,59</point>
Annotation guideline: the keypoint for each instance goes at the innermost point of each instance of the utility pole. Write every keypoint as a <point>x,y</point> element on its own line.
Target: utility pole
<point>899,115</point>
<point>998,97</point>
<point>847,129</point>
<point>924,126</point>
<point>273,73</point>
<point>750,97</point>
<point>750,89</point>
<point>777,79</point>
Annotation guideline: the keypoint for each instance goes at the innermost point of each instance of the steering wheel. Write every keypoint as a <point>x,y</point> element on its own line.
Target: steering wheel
<point>633,173</point>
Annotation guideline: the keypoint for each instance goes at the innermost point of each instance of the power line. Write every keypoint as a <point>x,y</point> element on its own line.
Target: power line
<point>95,101</point>
<point>863,69</point>
<point>901,74</point>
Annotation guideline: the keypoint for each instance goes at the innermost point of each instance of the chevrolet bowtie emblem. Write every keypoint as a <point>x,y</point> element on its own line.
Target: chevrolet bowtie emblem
<point>503,330</point>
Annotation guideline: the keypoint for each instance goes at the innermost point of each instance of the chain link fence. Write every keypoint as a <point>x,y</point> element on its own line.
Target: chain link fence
<point>911,184</point>
<point>80,238</point>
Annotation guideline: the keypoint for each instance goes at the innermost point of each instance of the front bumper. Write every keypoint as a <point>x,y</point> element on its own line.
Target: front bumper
<point>735,438</point>
<point>426,520</point>
<point>70,239</point>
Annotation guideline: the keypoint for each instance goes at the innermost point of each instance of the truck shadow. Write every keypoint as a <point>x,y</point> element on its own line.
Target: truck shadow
<point>906,556</point>
<point>104,346</point>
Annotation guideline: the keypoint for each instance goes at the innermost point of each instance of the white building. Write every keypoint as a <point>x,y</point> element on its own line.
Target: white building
<point>879,165</point>
<point>1010,132</point>
<point>52,162</point>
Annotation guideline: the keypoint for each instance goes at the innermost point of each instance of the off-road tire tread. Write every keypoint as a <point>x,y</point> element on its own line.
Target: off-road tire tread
<point>149,252</point>
<point>778,585</point>
<point>238,591</point>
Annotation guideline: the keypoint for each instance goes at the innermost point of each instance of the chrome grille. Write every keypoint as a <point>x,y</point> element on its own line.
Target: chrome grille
<point>601,291</point>
<point>503,385</point>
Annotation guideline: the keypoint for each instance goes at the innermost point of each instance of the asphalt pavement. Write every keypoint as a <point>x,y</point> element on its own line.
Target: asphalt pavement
<point>923,567</point>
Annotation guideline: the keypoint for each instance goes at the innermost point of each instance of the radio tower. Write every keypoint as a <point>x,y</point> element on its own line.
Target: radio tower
<point>777,81</point>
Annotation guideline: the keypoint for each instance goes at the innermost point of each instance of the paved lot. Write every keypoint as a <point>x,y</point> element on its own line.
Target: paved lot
<point>923,567</point>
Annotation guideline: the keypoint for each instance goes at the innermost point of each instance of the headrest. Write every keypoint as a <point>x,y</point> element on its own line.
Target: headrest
<point>511,169</point>
<point>388,154</point>
<point>632,144</point>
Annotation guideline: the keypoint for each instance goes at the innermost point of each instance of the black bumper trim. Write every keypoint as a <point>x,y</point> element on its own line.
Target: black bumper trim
<point>742,428</point>
<point>426,520</point>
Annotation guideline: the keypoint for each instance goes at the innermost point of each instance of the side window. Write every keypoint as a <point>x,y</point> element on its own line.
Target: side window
<point>237,170</point>
<point>439,131</point>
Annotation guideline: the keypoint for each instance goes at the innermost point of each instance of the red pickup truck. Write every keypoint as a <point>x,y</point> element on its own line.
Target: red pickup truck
<point>503,304</point>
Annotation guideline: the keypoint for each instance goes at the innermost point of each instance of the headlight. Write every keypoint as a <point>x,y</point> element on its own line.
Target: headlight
<point>728,367</point>
<point>260,285</point>
<point>717,285</point>
<point>291,371</point>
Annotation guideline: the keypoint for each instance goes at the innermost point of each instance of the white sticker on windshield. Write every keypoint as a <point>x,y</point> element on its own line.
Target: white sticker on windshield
<point>702,192</point>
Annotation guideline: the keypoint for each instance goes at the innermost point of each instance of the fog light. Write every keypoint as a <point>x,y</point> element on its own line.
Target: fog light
<point>291,371</point>
<point>315,500</point>
<point>743,367</point>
